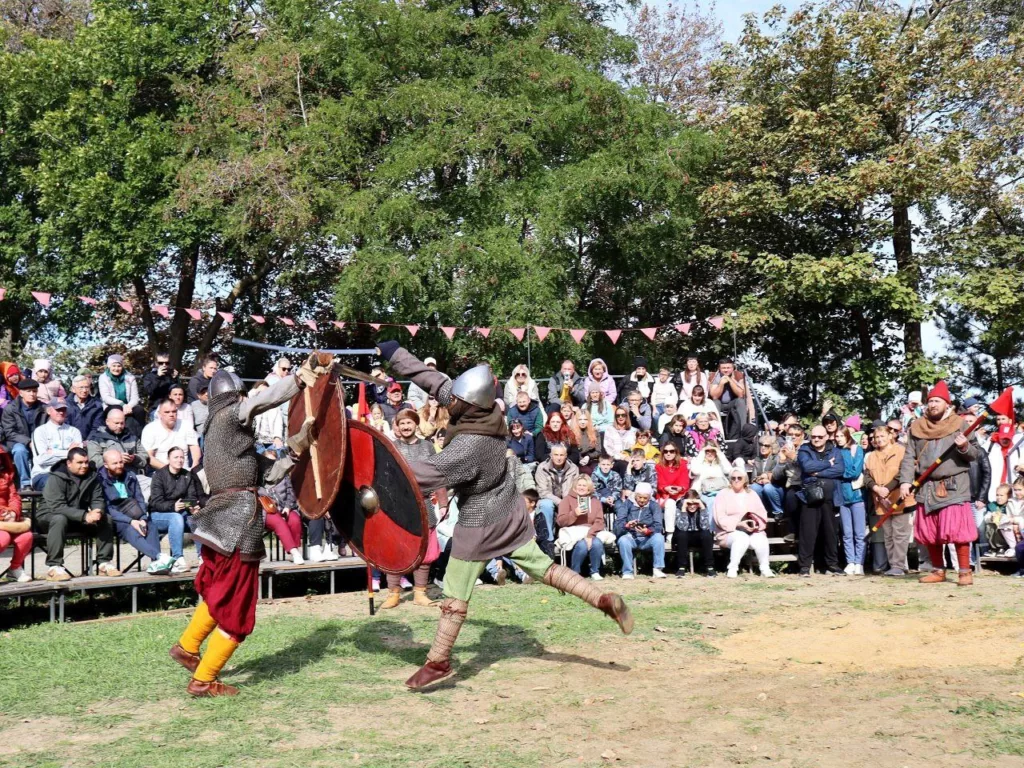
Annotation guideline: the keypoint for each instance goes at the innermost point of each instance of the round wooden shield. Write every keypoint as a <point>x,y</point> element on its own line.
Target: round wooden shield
<point>394,536</point>
<point>316,476</point>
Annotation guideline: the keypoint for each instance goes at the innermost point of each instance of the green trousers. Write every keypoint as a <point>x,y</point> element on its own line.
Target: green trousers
<point>461,576</point>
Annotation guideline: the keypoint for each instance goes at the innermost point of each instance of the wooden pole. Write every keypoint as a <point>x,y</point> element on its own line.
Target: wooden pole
<point>314,453</point>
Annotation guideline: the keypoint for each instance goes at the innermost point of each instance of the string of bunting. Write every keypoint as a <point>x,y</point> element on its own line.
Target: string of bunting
<point>541,331</point>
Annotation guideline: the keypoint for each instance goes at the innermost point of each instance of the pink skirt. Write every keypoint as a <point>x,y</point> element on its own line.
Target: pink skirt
<point>950,525</point>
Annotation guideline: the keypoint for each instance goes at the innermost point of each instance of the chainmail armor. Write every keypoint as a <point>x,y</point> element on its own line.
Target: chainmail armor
<point>476,468</point>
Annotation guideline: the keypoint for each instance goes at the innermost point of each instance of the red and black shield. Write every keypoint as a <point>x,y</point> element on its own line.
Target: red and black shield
<point>392,537</point>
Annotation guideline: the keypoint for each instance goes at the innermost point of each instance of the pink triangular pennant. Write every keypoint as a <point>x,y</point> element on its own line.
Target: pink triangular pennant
<point>41,297</point>
<point>3,292</point>
<point>195,314</point>
<point>375,326</point>
<point>449,331</point>
<point>650,333</point>
<point>287,321</point>
<point>614,336</point>
<point>717,321</point>
<point>258,319</point>
<point>519,333</point>
<point>91,301</point>
<point>541,331</point>
<point>485,332</point>
<point>338,324</point>
<point>311,324</point>
<point>412,329</point>
<point>126,306</point>
<point>577,334</point>
<point>227,317</point>
<point>684,328</point>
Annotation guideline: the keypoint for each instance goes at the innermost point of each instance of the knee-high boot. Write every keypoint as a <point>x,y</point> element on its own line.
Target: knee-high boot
<point>567,580</point>
<point>438,666</point>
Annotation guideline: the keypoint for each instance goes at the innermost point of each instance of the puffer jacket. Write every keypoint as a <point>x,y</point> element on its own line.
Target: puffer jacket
<point>9,496</point>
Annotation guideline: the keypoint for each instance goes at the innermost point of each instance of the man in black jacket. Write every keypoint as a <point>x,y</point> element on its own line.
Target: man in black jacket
<point>114,434</point>
<point>17,423</point>
<point>85,410</point>
<point>158,380</point>
<point>74,494</point>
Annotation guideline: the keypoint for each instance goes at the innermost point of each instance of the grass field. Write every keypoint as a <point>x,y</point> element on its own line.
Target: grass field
<point>783,673</point>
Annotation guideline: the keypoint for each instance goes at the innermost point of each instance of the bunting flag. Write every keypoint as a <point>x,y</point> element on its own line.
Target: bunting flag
<point>338,324</point>
<point>577,334</point>
<point>126,306</point>
<point>717,322</point>
<point>287,321</point>
<point>485,332</point>
<point>195,314</point>
<point>227,317</point>
<point>650,333</point>
<point>412,329</point>
<point>259,319</point>
<point>375,326</point>
<point>3,292</point>
<point>519,333</point>
<point>684,328</point>
<point>541,331</point>
<point>613,335</point>
<point>449,331</point>
<point>84,299</point>
<point>41,297</point>
<point>311,324</point>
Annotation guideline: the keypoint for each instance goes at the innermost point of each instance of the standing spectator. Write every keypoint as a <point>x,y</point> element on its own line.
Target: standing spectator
<point>620,438</point>
<point>555,478</point>
<point>673,481</point>
<point>14,529</point>
<point>709,473</point>
<point>378,421</point>
<point>127,508</point>
<point>696,404</point>
<point>691,519</point>
<point>85,410</point>
<point>51,442</point>
<point>663,392</point>
<point>599,409</point>
<point>761,470</point>
<point>729,391</point>
<point>175,495</point>
<point>395,402</point>
<point>692,376</point>
<point>640,470</point>
<point>207,367</point>
<point>787,475</point>
<point>74,495</point>
<point>588,441</point>
<point>165,433</point>
<point>19,420</point>
<point>640,415</point>
<point>118,387</point>
<point>556,431</point>
<point>528,412</point>
<point>639,526</point>
<point>581,510</point>
<point>567,384</point>
<point>200,409</point>
<point>186,419</point>
<point>49,387</point>
<point>157,381</point>
<point>820,468</point>
<point>700,434</point>
<point>638,381</point>
<point>598,376</point>
<point>830,421</point>
<point>269,426</point>
<point>607,482</point>
<point>433,418</point>
<point>850,499</point>
<point>418,397</point>
<point>114,434</point>
<point>282,369</point>
<point>741,521</point>
<point>10,377</point>
<point>910,410</point>
<point>520,381</point>
<point>520,442</point>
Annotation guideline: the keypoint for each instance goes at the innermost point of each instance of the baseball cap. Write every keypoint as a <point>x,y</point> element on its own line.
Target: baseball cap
<point>58,403</point>
<point>429,361</point>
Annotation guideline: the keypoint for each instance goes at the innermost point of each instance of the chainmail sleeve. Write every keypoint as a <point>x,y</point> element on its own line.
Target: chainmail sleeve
<point>435,383</point>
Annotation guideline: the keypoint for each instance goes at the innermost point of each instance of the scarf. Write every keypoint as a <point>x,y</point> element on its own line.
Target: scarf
<point>468,419</point>
<point>120,388</point>
<point>926,429</point>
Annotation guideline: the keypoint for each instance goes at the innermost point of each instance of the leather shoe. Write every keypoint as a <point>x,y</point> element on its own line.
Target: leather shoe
<point>429,673</point>
<point>613,605</point>
<point>201,689</point>
<point>935,577</point>
<point>189,661</point>
<point>964,578</point>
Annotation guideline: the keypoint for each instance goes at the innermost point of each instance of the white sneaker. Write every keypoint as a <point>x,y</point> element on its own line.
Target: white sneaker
<point>858,570</point>
<point>767,574</point>
<point>596,577</point>
<point>438,583</point>
<point>479,582</point>
<point>161,565</point>
<point>296,556</point>
<point>627,575</point>
<point>850,569</point>
<point>658,574</point>
<point>405,583</point>
<point>181,566</point>
<point>18,575</point>
<point>732,573</point>
<point>329,553</point>
<point>315,553</point>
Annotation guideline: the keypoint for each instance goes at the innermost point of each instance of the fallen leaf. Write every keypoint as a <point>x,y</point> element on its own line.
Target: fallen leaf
<point>660,629</point>
<point>544,601</point>
<point>710,626</point>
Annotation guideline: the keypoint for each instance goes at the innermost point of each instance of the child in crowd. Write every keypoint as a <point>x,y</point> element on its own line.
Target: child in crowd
<point>640,470</point>
<point>1002,527</point>
<point>663,393</point>
<point>607,482</point>
<point>540,525</point>
<point>644,443</point>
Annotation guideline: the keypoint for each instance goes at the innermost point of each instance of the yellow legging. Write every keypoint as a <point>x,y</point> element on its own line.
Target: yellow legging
<point>218,650</point>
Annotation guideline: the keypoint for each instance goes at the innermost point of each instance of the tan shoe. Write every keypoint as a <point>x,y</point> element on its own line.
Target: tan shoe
<point>204,690</point>
<point>419,597</point>
<point>394,598</point>
<point>107,569</point>
<point>965,578</point>
<point>935,577</point>
<point>189,661</point>
<point>57,573</point>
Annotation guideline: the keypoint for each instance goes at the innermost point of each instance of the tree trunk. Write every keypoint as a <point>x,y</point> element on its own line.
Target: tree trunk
<point>227,304</point>
<point>910,270</point>
<point>147,314</point>
<point>177,334</point>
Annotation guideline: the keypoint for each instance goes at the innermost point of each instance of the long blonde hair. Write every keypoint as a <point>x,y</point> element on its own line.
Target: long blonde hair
<point>428,427</point>
<point>591,434</point>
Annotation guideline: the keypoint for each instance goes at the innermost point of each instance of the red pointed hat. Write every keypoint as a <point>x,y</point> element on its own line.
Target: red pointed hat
<point>941,391</point>
<point>1003,405</point>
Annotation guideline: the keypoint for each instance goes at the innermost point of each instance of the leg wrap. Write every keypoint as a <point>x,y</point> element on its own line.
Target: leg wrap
<point>198,629</point>
<point>217,654</point>
<point>567,580</point>
<point>453,615</point>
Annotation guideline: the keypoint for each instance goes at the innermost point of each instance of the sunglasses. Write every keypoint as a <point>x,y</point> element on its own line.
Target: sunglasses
<point>520,375</point>
<point>669,453</point>
<point>286,368</point>
<point>737,479</point>
<point>765,445</point>
<point>818,437</point>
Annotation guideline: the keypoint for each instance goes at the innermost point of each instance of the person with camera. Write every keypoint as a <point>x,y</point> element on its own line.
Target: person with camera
<point>159,379</point>
<point>128,511</point>
<point>175,495</point>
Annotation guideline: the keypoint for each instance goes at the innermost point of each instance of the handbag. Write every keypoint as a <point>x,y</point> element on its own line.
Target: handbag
<point>814,491</point>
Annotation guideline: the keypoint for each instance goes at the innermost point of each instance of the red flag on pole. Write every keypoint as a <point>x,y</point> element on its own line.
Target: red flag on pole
<point>614,336</point>
<point>449,331</point>
<point>541,331</point>
<point>42,297</point>
<point>577,334</point>
<point>650,333</point>
<point>518,333</point>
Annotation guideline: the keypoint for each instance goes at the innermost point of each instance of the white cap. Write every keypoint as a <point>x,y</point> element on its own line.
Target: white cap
<point>643,489</point>
<point>429,361</point>
<point>914,397</point>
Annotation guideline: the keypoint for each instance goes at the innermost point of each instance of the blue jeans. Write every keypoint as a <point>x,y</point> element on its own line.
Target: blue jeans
<point>547,508</point>
<point>174,525</point>
<point>492,568</point>
<point>771,497</point>
<point>854,519</point>
<point>23,463</point>
<point>149,545</point>
<point>39,481</point>
<point>579,552</point>
<point>628,542</point>
<point>979,522</point>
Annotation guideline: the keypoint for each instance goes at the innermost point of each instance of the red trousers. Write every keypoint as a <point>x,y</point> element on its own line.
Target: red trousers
<point>22,546</point>
<point>229,586</point>
<point>289,530</point>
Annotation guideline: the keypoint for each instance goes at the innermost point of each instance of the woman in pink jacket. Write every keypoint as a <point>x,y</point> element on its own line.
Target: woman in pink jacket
<point>740,522</point>
<point>597,375</point>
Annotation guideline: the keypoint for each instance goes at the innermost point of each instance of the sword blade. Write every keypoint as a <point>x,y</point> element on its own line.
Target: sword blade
<point>352,373</point>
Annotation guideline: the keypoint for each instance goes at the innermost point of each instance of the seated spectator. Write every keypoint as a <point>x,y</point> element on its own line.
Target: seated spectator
<point>174,497</point>
<point>555,432</point>
<point>19,420</point>
<point>165,433</point>
<point>567,385</point>
<point>10,377</point>
<point>269,426</point>
<point>728,388</point>
<point>638,381</point>
<point>73,496</point>
<point>639,412</point>
<point>588,442</point>
<point>693,526</point>
<point>568,412</point>
<point>640,470</point>
<point>433,417</point>
<point>118,387</point>
<point>49,387</point>
<point>555,478</point>
<point>520,381</point>
<point>696,404</point>
<point>51,442</point>
<point>663,393</point>
<point>157,382</point>
<point>639,526</point>
<point>743,450</point>
<point>499,567</point>
<point>395,402</point>
<point>322,547</point>
<point>207,367</point>
<point>676,435</point>
<point>673,482</point>
<point>598,376</point>
<point>741,522</point>
<point>417,395</point>
<point>709,473</point>
<point>702,434</point>
<point>607,482</point>
<point>127,508</point>
<point>620,438</point>
<point>186,419</point>
<point>528,412</point>
<point>690,377</point>
<point>520,442</point>
<point>115,434</point>
<point>663,422</point>
<point>599,409</point>
<point>200,410</point>
<point>581,518</point>
<point>544,534</point>
<point>282,516</point>
<point>378,421</point>
<point>645,444</point>
<point>761,470</point>
<point>14,529</point>
<point>85,410</point>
